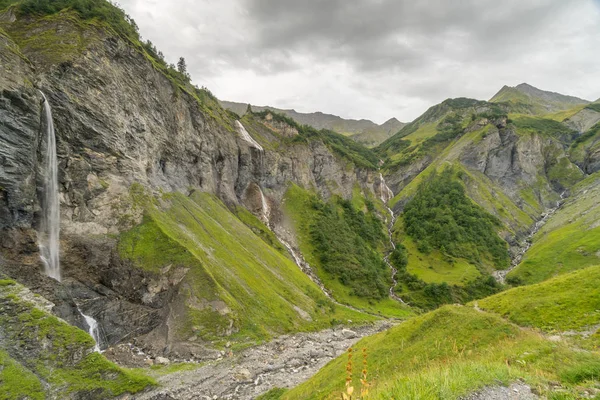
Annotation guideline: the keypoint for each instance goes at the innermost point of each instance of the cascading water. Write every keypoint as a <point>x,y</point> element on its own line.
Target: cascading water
<point>266,210</point>
<point>50,224</point>
<point>93,330</point>
<point>386,195</point>
<point>49,233</point>
<point>246,136</point>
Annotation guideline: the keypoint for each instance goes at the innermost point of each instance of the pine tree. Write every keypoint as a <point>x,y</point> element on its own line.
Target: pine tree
<point>182,68</point>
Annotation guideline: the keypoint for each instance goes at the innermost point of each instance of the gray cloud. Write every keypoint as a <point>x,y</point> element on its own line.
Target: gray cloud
<point>376,58</point>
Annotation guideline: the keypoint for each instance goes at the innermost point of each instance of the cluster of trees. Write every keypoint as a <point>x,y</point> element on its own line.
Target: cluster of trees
<point>442,217</point>
<point>429,296</point>
<point>346,241</point>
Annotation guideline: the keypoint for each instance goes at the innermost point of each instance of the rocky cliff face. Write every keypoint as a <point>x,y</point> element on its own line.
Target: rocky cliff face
<point>121,121</point>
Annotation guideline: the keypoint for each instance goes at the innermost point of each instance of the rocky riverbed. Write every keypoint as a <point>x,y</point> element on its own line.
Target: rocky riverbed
<point>283,362</point>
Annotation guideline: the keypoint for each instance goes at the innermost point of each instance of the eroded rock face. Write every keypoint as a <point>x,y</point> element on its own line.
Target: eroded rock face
<point>120,122</point>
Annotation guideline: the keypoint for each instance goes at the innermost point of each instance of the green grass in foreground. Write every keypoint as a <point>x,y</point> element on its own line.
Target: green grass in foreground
<point>568,302</point>
<point>449,353</point>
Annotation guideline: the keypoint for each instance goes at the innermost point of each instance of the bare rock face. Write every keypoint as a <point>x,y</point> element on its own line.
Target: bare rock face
<point>120,123</point>
<point>583,120</point>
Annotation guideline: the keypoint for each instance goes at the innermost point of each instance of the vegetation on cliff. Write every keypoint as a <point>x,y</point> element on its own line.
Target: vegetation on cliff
<point>344,245</point>
<point>39,349</point>
<point>236,286</point>
<point>340,144</point>
<point>440,216</point>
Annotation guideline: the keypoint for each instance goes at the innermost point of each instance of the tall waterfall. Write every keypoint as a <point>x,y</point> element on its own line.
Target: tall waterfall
<point>50,224</point>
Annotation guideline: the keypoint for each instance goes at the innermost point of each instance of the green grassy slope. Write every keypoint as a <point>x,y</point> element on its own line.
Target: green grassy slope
<point>567,302</point>
<point>236,282</point>
<point>570,240</point>
<point>451,352</point>
<point>43,356</point>
<point>344,243</point>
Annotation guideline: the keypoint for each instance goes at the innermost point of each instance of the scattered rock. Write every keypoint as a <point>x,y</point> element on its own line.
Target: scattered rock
<point>349,334</point>
<point>162,361</point>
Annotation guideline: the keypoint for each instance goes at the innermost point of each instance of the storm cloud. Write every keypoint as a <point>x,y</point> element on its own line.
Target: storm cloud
<point>376,58</point>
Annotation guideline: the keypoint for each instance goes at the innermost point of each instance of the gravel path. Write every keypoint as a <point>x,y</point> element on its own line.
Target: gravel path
<point>283,362</point>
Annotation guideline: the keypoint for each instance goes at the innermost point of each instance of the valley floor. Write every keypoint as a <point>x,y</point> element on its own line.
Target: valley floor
<point>282,363</point>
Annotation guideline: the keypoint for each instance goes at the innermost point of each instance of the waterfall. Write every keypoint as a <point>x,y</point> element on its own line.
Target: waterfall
<point>246,136</point>
<point>266,210</point>
<point>93,329</point>
<point>385,193</point>
<point>49,233</point>
<point>50,224</point>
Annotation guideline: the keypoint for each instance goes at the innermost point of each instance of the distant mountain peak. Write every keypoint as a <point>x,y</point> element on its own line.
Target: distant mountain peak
<point>538,101</point>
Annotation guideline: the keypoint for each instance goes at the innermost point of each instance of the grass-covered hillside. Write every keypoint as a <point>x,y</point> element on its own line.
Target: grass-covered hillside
<point>236,286</point>
<point>344,242</point>
<point>362,131</point>
<point>43,357</point>
<point>447,245</point>
<point>569,302</point>
<point>456,350</point>
<point>570,239</point>
<point>433,131</point>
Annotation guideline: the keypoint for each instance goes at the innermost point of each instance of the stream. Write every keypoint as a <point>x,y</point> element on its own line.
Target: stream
<point>526,244</point>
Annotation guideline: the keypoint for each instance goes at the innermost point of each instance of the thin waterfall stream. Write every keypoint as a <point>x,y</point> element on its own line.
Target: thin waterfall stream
<point>49,232</point>
<point>386,195</point>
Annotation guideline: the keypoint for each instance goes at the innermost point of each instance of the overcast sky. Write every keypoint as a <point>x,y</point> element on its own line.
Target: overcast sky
<point>376,59</point>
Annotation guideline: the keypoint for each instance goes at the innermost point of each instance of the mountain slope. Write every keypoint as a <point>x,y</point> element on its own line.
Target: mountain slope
<point>514,168</point>
<point>569,240</point>
<point>362,131</point>
<point>147,162</point>
<point>529,99</point>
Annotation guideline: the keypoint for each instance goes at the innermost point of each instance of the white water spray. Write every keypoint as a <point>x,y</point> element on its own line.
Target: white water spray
<point>50,224</point>
<point>266,210</point>
<point>49,234</point>
<point>93,330</point>
<point>386,195</point>
<point>246,136</point>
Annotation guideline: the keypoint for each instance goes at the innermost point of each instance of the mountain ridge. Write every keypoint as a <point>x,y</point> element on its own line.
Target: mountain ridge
<point>534,100</point>
<point>361,130</point>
